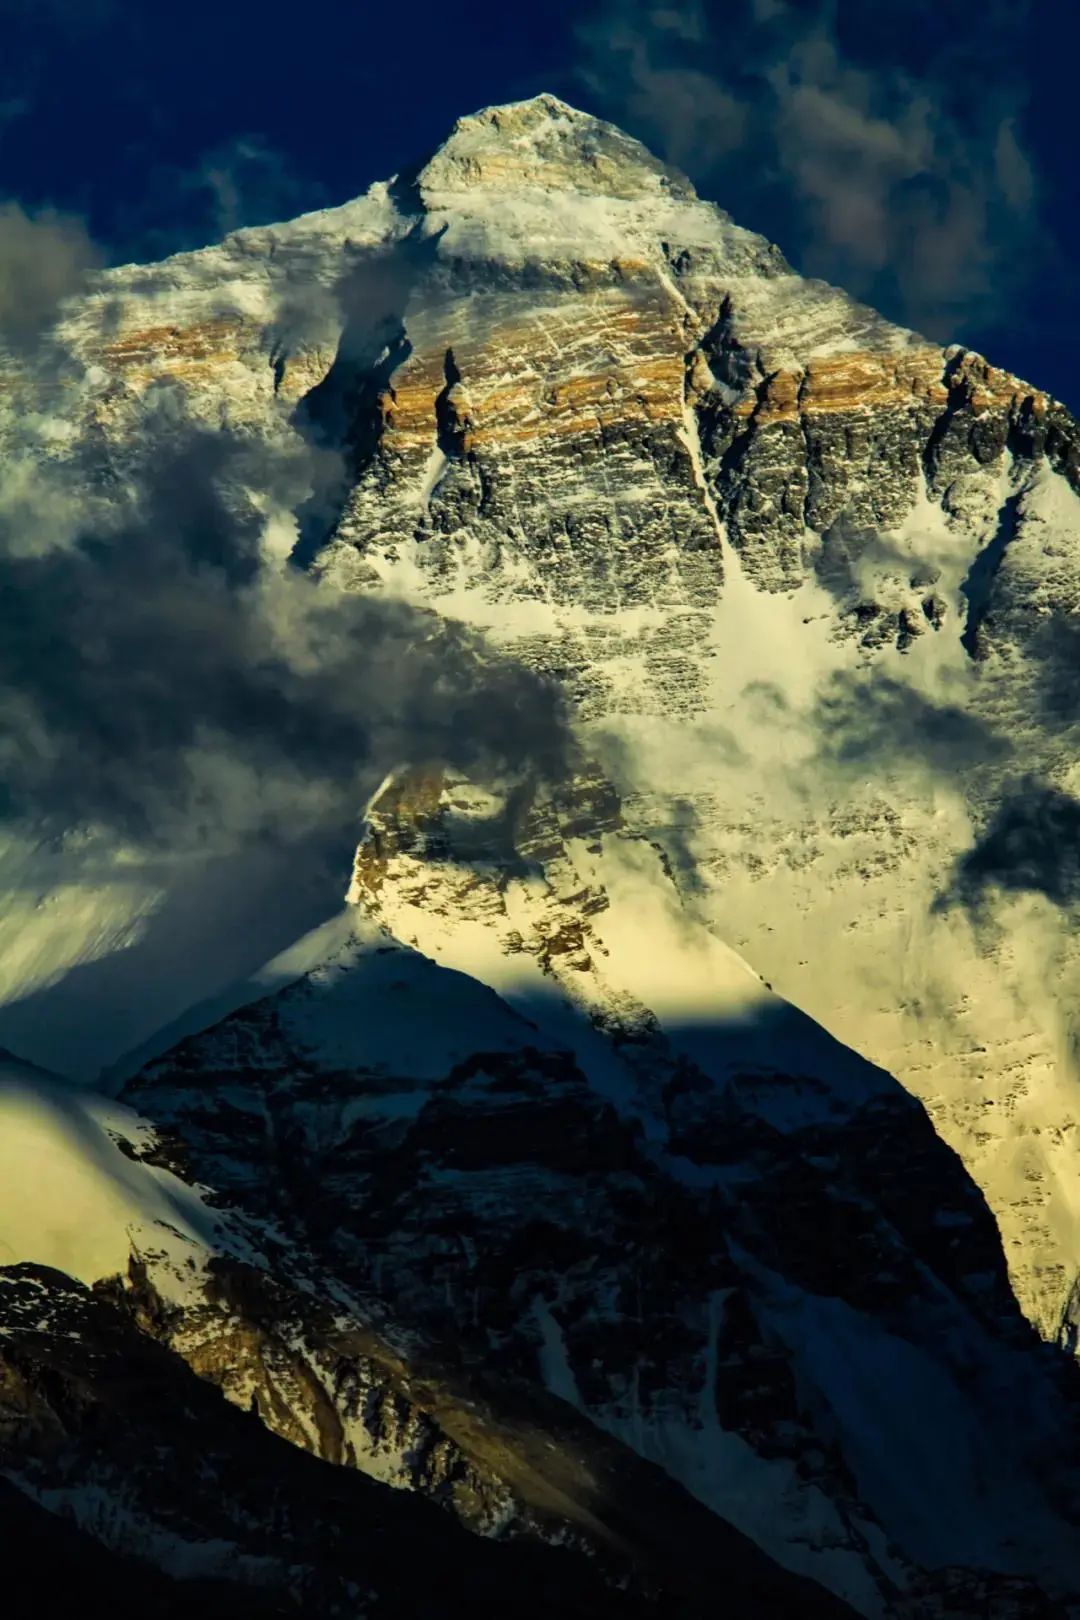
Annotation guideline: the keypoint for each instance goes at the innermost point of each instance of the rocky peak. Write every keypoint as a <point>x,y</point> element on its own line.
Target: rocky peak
<point>441,817</point>
<point>546,144</point>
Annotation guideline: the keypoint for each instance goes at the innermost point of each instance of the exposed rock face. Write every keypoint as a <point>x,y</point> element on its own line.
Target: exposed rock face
<point>809,584</point>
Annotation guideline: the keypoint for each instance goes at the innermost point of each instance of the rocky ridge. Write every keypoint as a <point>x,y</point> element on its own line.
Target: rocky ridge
<point>129,1453</point>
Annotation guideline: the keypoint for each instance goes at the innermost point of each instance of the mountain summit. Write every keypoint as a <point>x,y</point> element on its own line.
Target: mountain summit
<point>543,144</point>
<point>668,1154</point>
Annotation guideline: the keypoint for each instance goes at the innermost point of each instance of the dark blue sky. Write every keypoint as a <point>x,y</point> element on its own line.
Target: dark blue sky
<point>920,153</point>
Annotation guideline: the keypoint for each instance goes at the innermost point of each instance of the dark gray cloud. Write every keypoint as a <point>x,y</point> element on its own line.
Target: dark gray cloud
<point>1030,844</point>
<point>1052,643</point>
<point>44,258</point>
<point>869,721</point>
<point>879,177</point>
<point>159,677</point>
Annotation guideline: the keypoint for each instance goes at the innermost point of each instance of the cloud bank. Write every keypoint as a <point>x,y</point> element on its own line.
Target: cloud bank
<point>162,676</point>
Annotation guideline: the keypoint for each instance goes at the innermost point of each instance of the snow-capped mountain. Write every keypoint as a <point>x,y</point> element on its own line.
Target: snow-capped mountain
<point>672,1146</point>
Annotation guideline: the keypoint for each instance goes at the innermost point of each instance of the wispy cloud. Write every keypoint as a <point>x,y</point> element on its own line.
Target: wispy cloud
<point>246,181</point>
<point>44,258</point>
<point>877,177</point>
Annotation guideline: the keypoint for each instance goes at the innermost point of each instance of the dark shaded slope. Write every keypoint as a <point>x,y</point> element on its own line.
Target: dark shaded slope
<point>137,1456</point>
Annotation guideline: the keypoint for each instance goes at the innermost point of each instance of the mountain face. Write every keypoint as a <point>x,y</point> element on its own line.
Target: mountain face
<point>665,1163</point>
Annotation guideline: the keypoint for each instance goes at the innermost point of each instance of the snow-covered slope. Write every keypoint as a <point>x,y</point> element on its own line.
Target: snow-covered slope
<point>74,1195</point>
